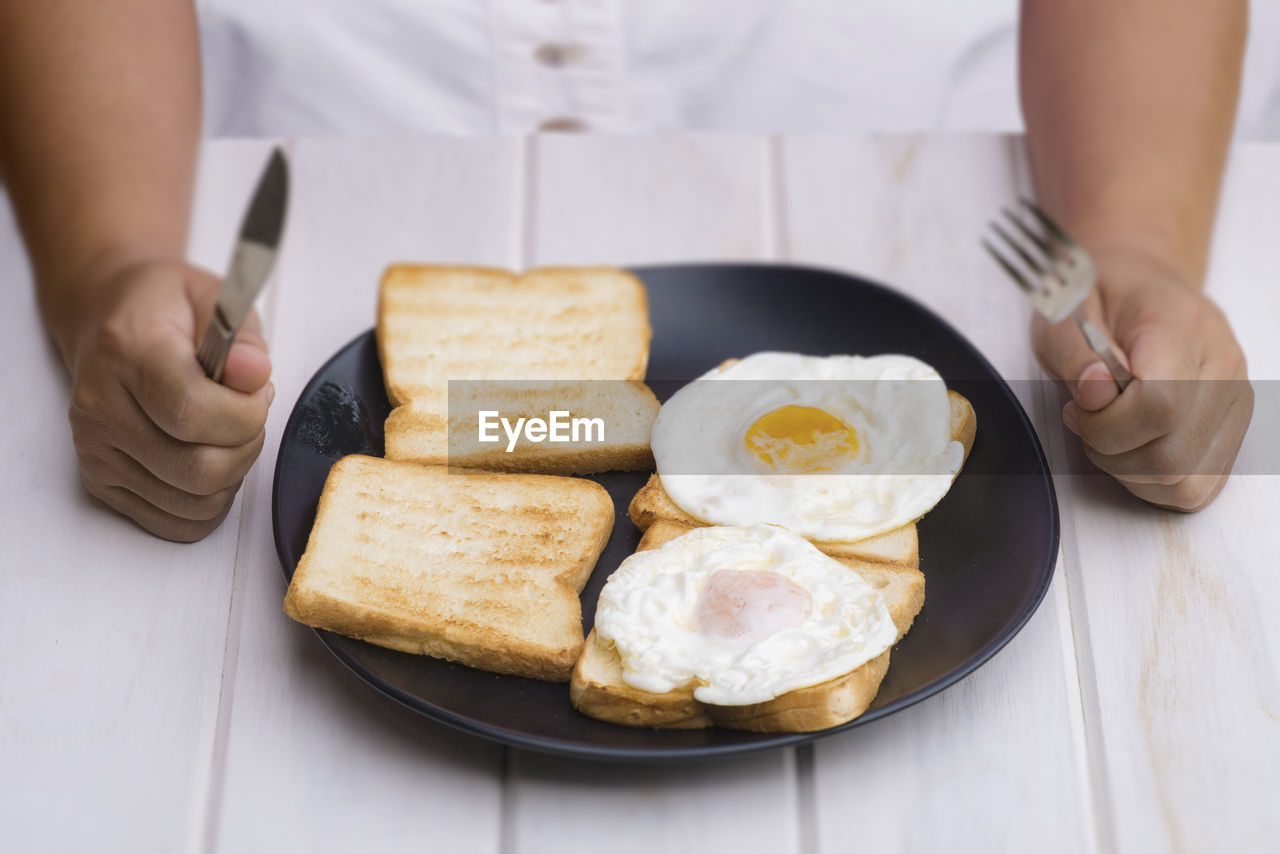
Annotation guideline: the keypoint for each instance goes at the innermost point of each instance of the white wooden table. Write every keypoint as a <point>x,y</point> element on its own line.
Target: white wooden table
<point>153,697</point>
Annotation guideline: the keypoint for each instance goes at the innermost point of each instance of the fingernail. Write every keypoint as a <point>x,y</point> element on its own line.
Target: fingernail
<point>271,393</point>
<point>1095,388</point>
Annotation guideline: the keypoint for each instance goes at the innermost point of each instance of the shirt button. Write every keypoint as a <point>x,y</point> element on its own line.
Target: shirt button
<point>557,55</point>
<point>563,124</point>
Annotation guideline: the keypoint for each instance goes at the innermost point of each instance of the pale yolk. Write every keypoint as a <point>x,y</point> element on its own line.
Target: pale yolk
<point>800,439</point>
<point>746,607</point>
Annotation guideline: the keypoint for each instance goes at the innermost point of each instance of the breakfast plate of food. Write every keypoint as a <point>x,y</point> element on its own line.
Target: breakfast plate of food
<point>809,503</point>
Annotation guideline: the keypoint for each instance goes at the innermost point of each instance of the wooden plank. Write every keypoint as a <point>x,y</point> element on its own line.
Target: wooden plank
<point>113,638</point>
<point>311,757</point>
<point>730,805</point>
<point>621,200</point>
<point>907,211</point>
<point>999,760</point>
<point>1181,608</point>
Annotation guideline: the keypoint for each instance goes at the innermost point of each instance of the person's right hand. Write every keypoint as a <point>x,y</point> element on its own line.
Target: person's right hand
<point>157,440</point>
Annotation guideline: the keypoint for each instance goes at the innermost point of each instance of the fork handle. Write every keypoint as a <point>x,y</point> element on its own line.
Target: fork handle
<point>1101,344</point>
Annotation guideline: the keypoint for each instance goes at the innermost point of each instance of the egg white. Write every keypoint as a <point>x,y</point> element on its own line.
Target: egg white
<point>647,611</point>
<point>905,463</point>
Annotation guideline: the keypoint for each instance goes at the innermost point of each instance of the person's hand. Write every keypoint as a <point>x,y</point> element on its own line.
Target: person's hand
<point>157,440</point>
<point>1172,436</point>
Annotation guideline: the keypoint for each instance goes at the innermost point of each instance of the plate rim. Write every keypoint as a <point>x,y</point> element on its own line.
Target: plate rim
<point>767,741</point>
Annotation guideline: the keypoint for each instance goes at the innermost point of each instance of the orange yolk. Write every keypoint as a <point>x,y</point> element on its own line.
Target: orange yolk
<point>800,439</point>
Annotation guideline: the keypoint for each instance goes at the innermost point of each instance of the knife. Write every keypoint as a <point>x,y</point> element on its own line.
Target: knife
<point>252,260</point>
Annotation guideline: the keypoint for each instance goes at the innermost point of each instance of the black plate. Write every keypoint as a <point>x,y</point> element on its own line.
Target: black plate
<point>987,550</point>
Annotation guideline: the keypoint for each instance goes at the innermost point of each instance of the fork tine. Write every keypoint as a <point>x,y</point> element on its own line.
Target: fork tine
<point>1050,226</point>
<point>1017,247</point>
<point>1043,245</point>
<point>1014,272</point>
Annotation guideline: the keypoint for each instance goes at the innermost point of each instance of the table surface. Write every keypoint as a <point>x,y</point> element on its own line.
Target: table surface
<point>154,697</point>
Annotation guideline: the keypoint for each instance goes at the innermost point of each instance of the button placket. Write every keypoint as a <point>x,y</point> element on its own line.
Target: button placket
<point>558,66</point>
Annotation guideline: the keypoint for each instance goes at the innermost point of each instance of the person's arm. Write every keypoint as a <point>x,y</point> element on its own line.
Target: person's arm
<point>99,131</point>
<point>1129,107</point>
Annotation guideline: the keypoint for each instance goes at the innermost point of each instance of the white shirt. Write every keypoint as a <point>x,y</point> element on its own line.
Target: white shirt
<point>515,66</point>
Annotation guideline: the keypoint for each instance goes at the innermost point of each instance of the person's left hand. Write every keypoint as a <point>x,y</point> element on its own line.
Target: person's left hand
<point>1172,436</point>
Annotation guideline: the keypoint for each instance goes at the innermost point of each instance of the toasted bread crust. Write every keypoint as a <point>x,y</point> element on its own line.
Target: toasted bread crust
<point>596,687</point>
<point>810,709</point>
<point>481,569</point>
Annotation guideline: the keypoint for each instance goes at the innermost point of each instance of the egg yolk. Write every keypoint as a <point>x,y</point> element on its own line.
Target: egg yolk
<point>746,607</point>
<point>801,439</point>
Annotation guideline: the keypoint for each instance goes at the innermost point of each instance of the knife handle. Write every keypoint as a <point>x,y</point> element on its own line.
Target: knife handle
<point>214,347</point>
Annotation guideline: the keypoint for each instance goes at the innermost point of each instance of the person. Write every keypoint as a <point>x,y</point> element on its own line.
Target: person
<point>1129,110</point>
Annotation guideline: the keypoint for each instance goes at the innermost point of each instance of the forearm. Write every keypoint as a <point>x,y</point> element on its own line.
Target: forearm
<point>99,127</point>
<point>1129,107</point>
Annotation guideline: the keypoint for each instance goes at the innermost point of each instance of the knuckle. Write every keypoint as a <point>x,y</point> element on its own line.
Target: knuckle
<point>1106,437</point>
<point>1101,444</point>
<point>244,427</point>
<point>208,472</point>
<point>1191,493</point>
<point>114,340</point>
<point>1162,411</point>
<point>204,475</point>
<point>1099,459</point>
<point>204,508</point>
<point>184,530</point>
<point>87,407</point>
<point>99,490</point>
<point>78,411</point>
<point>1169,459</point>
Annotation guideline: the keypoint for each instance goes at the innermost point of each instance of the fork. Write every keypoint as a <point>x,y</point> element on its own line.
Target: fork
<point>1057,275</point>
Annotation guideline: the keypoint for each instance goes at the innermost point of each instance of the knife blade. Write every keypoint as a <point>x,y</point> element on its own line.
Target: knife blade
<point>252,260</point>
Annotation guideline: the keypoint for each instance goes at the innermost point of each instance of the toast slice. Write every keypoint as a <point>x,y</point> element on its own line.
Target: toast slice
<point>496,331</point>
<point>625,411</point>
<point>899,547</point>
<point>596,688</point>
<point>556,323</point>
<point>481,569</point>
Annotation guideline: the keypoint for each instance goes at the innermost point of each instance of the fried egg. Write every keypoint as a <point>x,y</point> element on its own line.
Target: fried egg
<point>834,448</point>
<point>742,615</point>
